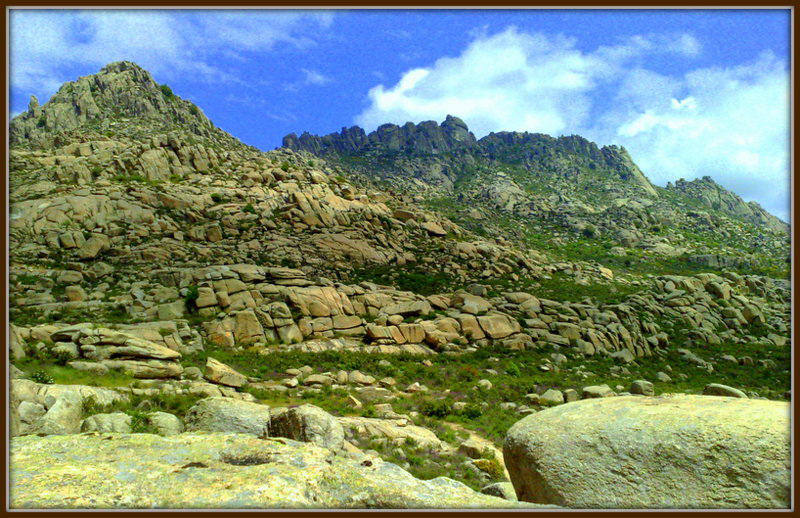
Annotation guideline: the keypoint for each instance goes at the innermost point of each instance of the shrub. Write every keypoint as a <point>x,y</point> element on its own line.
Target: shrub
<point>435,408</point>
<point>249,208</point>
<point>91,407</point>
<point>191,298</point>
<point>216,197</point>
<point>492,467</point>
<point>513,369</point>
<point>472,411</point>
<point>285,166</point>
<point>62,357</point>
<point>43,377</point>
<point>167,91</point>
<point>140,423</point>
<point>194,110</point>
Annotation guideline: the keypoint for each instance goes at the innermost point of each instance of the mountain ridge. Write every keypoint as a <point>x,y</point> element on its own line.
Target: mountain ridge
<point>430,138</point>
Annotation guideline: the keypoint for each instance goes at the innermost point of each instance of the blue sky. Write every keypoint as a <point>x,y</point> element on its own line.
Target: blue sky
<point>689,92</point>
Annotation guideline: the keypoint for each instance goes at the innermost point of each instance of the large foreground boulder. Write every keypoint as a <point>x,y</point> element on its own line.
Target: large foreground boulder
<point>675,451</point>
<point>191,471</point>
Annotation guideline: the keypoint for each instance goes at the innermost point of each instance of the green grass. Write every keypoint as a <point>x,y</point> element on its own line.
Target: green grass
<point>414,278</point>
<point>30,316</point>
<point>64,375</point>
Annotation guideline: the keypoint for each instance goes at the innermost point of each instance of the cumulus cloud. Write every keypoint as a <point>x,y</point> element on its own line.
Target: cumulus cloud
<point>44,43</point>
<point>729,123</point>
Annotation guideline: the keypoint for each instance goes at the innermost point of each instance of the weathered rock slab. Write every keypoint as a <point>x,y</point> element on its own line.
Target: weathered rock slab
<point>195,471</point>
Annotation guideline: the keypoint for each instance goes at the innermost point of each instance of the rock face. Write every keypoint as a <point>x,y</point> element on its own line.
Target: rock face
<point>217,414</point>
<point>123,86</point>
<point>308,423</point>
<point>216,471</point>
<point>673,451</point>
<point>118,350</point>
<point>218,372</point>
<point>426,137</point>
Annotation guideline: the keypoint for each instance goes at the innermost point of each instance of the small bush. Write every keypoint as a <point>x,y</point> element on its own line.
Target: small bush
<point>216,197</point>
<point>285,166</point>
<point>472,411</point>
<point>491,467</point>
<point>167,91</point>
<point>140,423</point>
<point>249,208</point>
<point>513,370</point>
<point>194,110</point>
<point>91,407</point>
<point>191,298</point>
<point>62,357</point>
<point>435,408</point>
<point>43,377</point>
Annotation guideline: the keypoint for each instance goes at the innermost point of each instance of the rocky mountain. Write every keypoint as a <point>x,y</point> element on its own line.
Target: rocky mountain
<point>555,190</point>
<point>712,195</point>
<point>377,310</point>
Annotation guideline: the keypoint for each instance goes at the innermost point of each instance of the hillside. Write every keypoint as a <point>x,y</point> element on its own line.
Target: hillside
<point>550,192</point>
<point>423,289</point>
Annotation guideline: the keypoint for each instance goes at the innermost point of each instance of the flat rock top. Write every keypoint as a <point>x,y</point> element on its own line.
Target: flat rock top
<point>196,470</point>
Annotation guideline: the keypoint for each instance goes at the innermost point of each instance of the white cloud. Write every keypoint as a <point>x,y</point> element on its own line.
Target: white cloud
<point>315,78</point>
<point>732,125</point>
<point>310,78</point>
<point>728,123</point>
<point>511,81</point>
<point>166,42</point>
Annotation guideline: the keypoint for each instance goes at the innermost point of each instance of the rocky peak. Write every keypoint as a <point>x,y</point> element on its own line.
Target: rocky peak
<point>621,161</point>
<point>121,90</point>
<point>713,195</point>
<point>427,138</point>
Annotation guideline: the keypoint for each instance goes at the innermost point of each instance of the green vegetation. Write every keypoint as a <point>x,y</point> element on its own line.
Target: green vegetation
<point>41,376</point>
<point>416,278</point>
<point>192,293</point>
<point>167,91</point>
<point>249,209</point>
<point>31,315</point>
<point>134,178</point>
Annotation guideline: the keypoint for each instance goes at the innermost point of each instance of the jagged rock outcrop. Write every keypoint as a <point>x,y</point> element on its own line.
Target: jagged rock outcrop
<point>123,89</point>
<point>714,196</point>
<point>423,138</point>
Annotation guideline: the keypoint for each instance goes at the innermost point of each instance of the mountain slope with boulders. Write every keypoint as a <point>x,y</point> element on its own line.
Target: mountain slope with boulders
<point>549,191</point>
<point>398,298</point>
